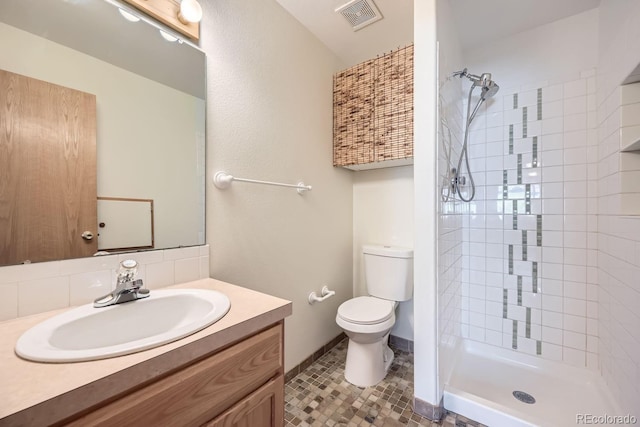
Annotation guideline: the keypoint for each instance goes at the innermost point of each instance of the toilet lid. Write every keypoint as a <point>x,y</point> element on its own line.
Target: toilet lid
<point>366,310</point>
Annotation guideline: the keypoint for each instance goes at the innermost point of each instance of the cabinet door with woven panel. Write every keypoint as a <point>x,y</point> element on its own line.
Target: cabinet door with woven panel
<point>373,110</point>
<point>353,100</point>
<point>393,109</point>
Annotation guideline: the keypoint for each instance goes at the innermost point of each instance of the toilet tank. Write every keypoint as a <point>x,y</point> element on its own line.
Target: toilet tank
<point>388,272</point>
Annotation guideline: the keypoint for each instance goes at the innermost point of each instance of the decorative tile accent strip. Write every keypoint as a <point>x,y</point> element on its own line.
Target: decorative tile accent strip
<point>539,103</point>
<point>524,245</point>
<point>510,139</point>
<point>538,230</point>
<point>528,324</point>
<point>520,291</point>
<point>527,199</point>
<point>524,122</point>
<point>514,337</point>
<point>505,302</point>
<point>534,160</point>
<point>538,347</point>
<point>519,177</point>
<point>515,215</point>
<point>510,259</point>
<point>515,101</point>
<point>534,276</point>
<point>505,186</point>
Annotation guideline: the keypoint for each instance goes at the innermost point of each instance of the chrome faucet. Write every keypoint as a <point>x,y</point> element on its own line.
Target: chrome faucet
<point>128,288</point>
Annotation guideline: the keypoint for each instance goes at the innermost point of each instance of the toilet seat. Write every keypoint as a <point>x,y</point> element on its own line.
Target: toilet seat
<point>366,310</point>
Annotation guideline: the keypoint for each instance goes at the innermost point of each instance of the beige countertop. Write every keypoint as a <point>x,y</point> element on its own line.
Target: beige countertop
<point>35,394</point>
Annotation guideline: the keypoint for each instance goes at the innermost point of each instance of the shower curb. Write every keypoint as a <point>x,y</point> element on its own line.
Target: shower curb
<point>427,410</point>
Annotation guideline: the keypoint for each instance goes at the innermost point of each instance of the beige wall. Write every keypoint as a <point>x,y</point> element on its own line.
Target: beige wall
<point>383,215</point>
<point>269,117</point>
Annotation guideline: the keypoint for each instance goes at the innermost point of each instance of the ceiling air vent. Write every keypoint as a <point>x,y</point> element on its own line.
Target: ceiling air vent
<point>360,13</point>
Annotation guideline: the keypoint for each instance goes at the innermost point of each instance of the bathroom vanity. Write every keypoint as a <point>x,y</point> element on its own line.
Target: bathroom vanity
<point>230,373</point>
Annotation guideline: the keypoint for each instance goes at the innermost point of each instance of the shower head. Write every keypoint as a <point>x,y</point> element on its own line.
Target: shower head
<point>489,90</point>
<point>488,87</point>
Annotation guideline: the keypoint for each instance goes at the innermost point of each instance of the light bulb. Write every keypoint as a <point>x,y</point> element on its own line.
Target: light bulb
<point>128,16</point>
<point>168,37</point>
<point>190,11</point>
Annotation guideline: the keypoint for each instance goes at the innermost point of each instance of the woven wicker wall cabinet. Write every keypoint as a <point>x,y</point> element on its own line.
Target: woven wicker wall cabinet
<point>373,112</point>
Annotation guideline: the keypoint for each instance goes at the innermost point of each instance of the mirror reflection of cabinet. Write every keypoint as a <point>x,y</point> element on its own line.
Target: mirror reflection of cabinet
<point>48,171</point>
<point>125,224</point>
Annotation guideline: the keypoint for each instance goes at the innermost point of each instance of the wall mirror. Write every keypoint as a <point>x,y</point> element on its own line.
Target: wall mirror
<point>76,70</point>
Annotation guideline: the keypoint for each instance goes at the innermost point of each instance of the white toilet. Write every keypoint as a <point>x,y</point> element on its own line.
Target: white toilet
<point>368,320</point>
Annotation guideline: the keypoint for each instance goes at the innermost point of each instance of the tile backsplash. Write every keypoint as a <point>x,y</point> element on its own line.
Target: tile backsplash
<point>34,288</point>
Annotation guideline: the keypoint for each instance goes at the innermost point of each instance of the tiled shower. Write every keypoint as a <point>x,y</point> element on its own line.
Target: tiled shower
<point>544,262</point>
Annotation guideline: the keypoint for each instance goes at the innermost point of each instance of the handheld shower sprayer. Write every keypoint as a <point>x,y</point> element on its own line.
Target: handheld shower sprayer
<point>488,88</point>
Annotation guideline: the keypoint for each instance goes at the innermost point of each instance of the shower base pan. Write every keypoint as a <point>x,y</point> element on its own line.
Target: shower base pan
<point>485,378</point>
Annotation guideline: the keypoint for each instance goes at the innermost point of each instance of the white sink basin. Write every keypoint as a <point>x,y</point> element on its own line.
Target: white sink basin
<point>88,333</point>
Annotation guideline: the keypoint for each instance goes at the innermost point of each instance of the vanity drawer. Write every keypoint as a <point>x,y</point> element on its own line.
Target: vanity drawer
<point>199,392</point>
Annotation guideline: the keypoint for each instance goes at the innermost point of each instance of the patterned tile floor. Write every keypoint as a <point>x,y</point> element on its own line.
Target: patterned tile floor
<point>320,396</point>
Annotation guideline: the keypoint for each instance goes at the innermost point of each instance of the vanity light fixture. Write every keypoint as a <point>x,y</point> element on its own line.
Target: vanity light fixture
<point>168,37</point>
<point>128,15</point>
<point>190,11</point>
<point>182,16</point>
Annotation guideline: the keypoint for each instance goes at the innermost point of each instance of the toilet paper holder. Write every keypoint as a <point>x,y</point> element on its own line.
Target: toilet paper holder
<point>325,292</point>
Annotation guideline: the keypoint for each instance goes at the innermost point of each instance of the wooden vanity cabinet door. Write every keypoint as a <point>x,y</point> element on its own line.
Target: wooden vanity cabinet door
<point>263,408</point>
<point>201,392</point>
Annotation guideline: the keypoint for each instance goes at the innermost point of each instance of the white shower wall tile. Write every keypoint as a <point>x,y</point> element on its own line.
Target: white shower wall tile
<point>574,357</point>
<point>553,141</point>
<point>34,288</point>
<point>544,219</point>
<point>552,109</point>
<point>575,222</point>
<point>593,361</point>
<point>552,93</point>
<point>554,125</point>
<point>552,319</point>
<point>576,105</point>
<point>552,335</point>
<point>454,243</point>
<point>575,88</point>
